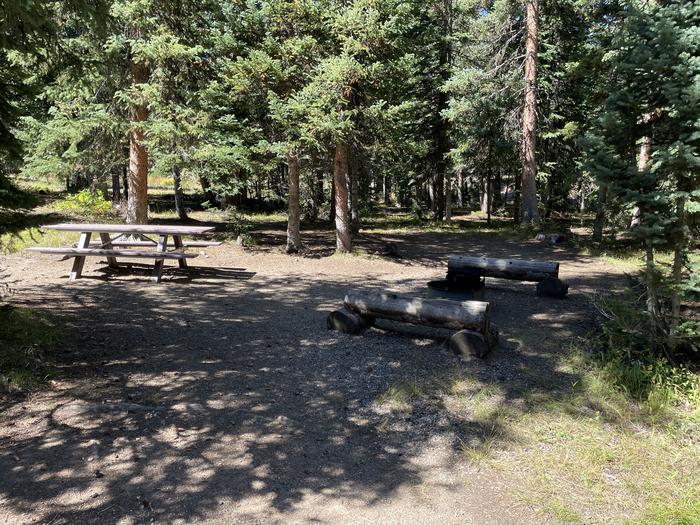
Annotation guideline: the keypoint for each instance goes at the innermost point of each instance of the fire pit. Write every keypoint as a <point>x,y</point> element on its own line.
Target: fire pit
<point>464,285</point>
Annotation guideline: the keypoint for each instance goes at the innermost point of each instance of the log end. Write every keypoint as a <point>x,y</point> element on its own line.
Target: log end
<point>468,344</point>
<point>347,322</point>
<point>552,287</point>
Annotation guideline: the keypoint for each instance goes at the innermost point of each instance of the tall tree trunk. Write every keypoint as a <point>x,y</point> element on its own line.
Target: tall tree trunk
<point>386,190</point>
<point>496,190</point>
<point>516,200</point>
<point>599,222</point>
<point>179,198</point>
<point>679,255</point>
<point>137,202</point>
<point>342,219</point>
<point>528,186</point>
<point>448,198</point>
<point>293,220</point>
<point>643,162</point>
<point>116,190</point>
<point>353,191</point>
<point>460,186</point>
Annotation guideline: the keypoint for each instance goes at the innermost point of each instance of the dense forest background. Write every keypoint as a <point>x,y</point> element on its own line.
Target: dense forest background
<point>532,110</point>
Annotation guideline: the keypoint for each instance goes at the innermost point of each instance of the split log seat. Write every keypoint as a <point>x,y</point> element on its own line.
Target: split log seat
<point>545,273</point>
<point>472,318</point>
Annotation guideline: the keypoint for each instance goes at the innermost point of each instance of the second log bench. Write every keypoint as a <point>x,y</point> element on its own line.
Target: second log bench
<point>472,319</point>
<point>544,273</point>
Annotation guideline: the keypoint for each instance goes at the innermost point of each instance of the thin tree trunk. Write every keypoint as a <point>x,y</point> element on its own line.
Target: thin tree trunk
<point>386,189</point>
<point>293,220</point>
<point>679,254</point>
<point>179,198</point>
<point>448,198</point>
<point>353,190</point>
<point>644,157</point>
<point>137,202</point>
<point>599,222</point>
<point>460,185</point>
<point>116,190</point>
<point>529,214</point>
<point>342,219</point>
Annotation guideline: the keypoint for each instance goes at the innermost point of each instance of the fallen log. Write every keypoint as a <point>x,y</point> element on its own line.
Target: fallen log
<point>520,270</point>
<point>444,313</point>
<point>347,322</point>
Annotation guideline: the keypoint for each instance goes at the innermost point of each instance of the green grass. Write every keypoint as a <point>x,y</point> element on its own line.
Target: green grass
<point>16,242</point>
<point>26,337</point>
<point>586,453</point>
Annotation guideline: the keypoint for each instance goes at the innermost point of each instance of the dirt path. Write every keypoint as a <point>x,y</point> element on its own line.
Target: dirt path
<point>223,398</point>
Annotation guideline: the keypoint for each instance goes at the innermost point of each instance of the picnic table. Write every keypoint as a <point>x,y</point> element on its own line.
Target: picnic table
<point>115,239</point>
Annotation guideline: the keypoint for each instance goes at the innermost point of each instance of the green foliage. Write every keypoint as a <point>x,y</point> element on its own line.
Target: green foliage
<point>238,226</point>
<point>86,203</point>
<point>624,353</point>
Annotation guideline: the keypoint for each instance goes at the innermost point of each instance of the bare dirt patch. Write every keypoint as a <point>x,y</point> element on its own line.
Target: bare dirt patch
<point>220,397</point>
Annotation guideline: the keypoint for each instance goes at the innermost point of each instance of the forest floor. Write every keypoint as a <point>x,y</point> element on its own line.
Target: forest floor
<point>221,397</point>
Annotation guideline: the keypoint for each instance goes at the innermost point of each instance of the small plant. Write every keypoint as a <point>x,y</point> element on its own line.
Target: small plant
<point>86,203</point>
<point>238,227</point>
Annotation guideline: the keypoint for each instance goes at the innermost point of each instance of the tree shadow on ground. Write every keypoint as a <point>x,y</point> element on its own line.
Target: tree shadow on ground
<point>182,398</point>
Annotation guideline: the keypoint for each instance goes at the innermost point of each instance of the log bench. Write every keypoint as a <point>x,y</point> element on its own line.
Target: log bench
<point>544,273</point>
<point>472,319</point>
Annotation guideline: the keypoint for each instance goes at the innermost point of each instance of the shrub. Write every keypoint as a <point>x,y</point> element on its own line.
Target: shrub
<point>86,203</point>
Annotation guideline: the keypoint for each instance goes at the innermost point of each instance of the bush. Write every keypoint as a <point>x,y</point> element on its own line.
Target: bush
<point>624,350</point>
<point>86,203</point>
<point>238,226</point>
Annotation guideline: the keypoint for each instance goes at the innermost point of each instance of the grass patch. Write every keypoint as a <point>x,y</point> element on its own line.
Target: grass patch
<point>26,336</point>
<point>683,511</point>
<point>586,453</point>
<point>400,397</point>
<point>15,242</point>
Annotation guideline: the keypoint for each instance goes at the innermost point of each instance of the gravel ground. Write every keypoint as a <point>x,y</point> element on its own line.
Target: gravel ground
<point>220,397</point>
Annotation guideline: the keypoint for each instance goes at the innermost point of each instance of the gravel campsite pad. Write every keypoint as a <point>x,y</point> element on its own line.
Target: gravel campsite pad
<point>223,398</point>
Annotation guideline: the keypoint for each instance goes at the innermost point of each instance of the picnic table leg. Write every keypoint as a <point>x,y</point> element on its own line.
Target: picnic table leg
<point>161,248</point>
<point>107,244</point>
<point>79,261</point>
<point>177,240</point>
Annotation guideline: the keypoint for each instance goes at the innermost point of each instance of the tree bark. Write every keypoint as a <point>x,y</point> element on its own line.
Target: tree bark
<point>342,219</point>
<point>599,222</point>
<point>116,190</point>
<point>460,186</point>
<point>679,255</point>
<point>137,201</point>
<point>353,191</point>
<point>448,198</point>
<point>177,189</point>
<point>517,269</point>
<point>472,315</point>
<point>293,219</point>
<point>528,212</point>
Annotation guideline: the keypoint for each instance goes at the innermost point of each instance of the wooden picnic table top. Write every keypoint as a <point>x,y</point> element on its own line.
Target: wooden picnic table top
<point>154,229</point>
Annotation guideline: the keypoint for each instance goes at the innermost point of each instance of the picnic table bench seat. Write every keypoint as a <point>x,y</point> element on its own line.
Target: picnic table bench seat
<point>101,252</point>
<point>127,242</point>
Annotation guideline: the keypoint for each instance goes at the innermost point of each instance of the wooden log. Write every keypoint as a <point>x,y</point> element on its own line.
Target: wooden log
<point>520,270</point>
<point>347,322</point>
<point>444,313</point>
<point>552,287</point>
<point>468,344</point>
